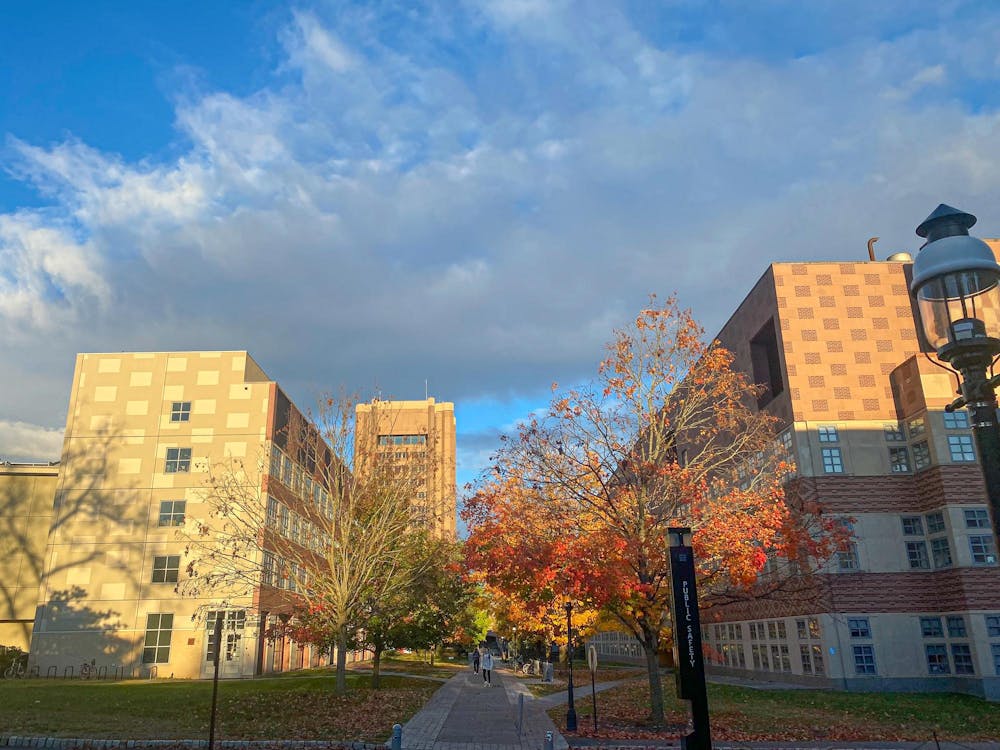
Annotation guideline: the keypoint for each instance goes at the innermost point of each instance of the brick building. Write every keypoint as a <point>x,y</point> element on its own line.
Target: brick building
<point>913,603</point>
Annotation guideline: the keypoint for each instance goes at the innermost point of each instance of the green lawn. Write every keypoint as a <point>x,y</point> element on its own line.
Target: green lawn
<point>289,707</point>
<point>743,714</point>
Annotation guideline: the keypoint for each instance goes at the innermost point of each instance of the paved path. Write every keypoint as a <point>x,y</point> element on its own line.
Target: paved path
<point>466,715</point>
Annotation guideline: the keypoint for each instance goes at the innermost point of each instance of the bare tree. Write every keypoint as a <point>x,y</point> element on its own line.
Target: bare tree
<point>315,532</point>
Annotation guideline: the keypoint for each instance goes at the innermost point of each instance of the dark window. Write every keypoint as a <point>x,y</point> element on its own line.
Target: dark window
<point>899,460</point>
<point>916,553</point>
<point>937,658</point>
<point>156,647</point>
<point>962,656</point>
<point>977,519</point>
<point>165,568</point>
<point>864,660</point>
<point>860,628</point>
<point>913,526</point>
<point>766,362</point>
<point>941,552</point>
<point>930,627</point>
<point>935,522</point>
<point>921,455</point>
<point>993,626</point>
<point>172,512</point>
<point>983,549</point>
<point>178,460</point>
<point>180,411</point>
<point>956,627</point>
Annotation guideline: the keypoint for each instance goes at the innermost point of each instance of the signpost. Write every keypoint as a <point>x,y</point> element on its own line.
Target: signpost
<point>219,617</point>
<point>687,639</point>
<point>592,663</point>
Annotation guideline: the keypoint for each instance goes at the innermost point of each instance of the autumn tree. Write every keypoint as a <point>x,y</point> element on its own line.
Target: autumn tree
<point>667,434</point>
<point>323,530</point>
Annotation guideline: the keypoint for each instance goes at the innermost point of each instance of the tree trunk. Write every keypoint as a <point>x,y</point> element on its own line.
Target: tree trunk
<point>376,666</point>
<point>432,656</point>
<point>650,644</point>
<point>341,685</point>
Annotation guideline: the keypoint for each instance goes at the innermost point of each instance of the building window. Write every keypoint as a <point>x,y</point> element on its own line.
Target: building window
<point>819,669</point>
<point>165,568</point>
<point>267,569</point>
<point>828,433</point>
<point>930,627</point>
<point>983,551</point>
<point>859,627</point>
<point>899,460</point>
<point>913,526</point>
<point>285,520</point>
<point>956,627</point>
<point>993,626</point>
<point>156,647</point>
<point>172,513</point>
<point>800,626</point>
<point>272,513</point>
<point>961,654</point>
<point>178,460</point>
<point>937,658</point>
<point>935,523</point>
<point>917,427</point>
<point>916,554</point>
<point>180,411</point>
<point>232,631</point>
<point>847,551</point>
<point>941,552</point>
<point>956,420</point>
<point>921,455</point>
<point>977,519</point>
<point>805,652</point>
<point>894,432</point>
<point>864,660</point>
<point>814,631</point>
<point>995,650</point>
<point>832,461</point>
<point>961,448</point>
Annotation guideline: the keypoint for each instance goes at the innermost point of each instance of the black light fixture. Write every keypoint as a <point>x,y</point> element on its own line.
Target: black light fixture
<point>956,284</point>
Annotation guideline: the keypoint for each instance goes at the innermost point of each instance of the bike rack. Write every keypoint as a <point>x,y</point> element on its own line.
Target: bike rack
<point>102,673</point>
<point>68,672</point>
<point>33,672</point>
<point>120,672</point>
<point>52,671</point>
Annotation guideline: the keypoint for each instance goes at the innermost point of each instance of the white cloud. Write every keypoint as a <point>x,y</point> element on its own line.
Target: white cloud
<point>20,441</point>
<point>481,195</point>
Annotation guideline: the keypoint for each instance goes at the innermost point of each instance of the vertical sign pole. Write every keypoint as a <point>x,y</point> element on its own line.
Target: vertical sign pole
<point>592,663</point>
<point>219,617</point>
<point>687,639</point>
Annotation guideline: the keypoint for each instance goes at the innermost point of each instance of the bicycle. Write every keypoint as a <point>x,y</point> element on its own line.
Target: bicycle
<point>15,670</point>
<point>86,670</point>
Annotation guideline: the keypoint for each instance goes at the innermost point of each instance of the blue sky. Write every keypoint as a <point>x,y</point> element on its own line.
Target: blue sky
<point>472,193</point>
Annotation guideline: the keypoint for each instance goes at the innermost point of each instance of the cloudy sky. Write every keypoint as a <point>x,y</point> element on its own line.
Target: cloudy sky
<point>468,192</point>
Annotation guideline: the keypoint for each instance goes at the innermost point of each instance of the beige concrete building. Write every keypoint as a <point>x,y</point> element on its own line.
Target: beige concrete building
<point>143,431</point>
<point>419,437</point>
<point>26,493</point>
<point>913,603</point>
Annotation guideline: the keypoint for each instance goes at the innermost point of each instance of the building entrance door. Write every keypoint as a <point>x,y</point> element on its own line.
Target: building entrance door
<point>231,656</point>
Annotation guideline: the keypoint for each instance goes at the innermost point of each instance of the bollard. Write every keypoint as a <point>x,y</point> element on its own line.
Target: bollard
<point>520,713</point>
<point>397,737</point>
<point>549,743</point>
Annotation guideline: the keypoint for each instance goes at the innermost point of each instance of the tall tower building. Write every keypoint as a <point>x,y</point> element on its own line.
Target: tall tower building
<point>418,436</point>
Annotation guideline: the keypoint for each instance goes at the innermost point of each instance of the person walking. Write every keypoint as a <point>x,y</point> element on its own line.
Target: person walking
<point>487,668</point>
<point>475,660</point>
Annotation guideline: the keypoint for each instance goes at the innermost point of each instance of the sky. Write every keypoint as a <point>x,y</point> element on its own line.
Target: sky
<point>471,194</point>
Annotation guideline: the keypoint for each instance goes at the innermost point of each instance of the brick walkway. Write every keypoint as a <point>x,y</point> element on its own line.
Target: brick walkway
<point>465,715</point>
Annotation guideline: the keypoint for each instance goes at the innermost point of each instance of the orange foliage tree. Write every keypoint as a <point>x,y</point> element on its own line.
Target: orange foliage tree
<point>668,434</point>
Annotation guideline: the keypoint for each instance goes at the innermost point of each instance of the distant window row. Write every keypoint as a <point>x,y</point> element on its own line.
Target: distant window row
<point>294,527</point>
<point>895,431</point>
<point>283,574</point>
<point>402,440</point>
<point>298,480</point>
<point>960,450</point>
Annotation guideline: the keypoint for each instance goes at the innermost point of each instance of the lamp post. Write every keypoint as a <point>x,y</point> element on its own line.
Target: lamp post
<point>956,283</point>
<point>571,711</point>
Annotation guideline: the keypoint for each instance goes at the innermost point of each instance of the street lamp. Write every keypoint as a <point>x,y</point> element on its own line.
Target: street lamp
<point>571,712</point>
<point>956,283</point>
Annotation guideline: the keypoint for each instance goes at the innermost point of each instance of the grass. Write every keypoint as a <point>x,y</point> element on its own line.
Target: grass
<point>744,714</point>
<point>415,664</point>
<point>289,707</point>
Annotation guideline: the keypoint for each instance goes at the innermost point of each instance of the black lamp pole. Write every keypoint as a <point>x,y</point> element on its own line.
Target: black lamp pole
<point>571,712</point>
<point>956,283</point>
